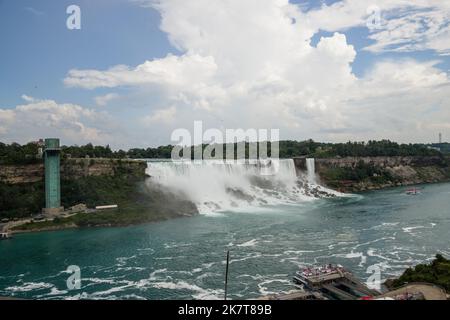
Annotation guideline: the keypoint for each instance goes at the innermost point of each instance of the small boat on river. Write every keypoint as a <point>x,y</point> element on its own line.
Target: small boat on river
<point>413,191</point>
<point>5,236</point>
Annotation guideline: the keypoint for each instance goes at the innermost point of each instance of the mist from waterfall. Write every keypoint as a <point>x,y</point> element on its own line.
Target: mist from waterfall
<point>219,186</point>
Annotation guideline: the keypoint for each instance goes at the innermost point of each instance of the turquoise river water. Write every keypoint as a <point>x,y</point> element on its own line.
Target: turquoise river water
<point>185,258</point>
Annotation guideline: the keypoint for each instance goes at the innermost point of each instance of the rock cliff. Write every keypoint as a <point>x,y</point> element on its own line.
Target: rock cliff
<point>352,174</point>
<point>73,169</point>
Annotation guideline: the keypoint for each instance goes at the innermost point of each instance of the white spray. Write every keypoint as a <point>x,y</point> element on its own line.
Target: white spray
<point>218,186</point>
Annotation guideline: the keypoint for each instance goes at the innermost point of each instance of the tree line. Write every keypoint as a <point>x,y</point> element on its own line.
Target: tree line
<point>15,153</point>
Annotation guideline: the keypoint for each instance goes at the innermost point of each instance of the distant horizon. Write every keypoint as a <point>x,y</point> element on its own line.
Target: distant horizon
<point>190,146</point>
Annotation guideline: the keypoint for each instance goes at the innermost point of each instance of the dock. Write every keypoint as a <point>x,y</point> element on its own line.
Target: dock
<point>297,295</point>
<point>333,282</point>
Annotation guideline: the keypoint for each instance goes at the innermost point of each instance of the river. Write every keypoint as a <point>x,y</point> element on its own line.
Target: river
<point>185,258</point>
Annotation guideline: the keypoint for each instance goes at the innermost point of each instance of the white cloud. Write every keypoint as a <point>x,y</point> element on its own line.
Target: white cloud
<point>6,118</point>
<point>415,30</point>
<point>401,100</point>
<point>171,70</point>
<point>103,100</point>
<point>405,25</point>
<point>27,98</point>
<point>251,64</point>
<point>43,118</point>
<point>161,115</point>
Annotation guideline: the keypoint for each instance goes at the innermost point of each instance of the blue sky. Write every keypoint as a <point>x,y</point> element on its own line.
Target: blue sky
<point>38,52</point>
<point>38,49</point>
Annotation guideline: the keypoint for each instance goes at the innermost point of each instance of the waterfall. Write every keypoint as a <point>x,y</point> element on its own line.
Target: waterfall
<point>219,186</point>
<point>311,170</point>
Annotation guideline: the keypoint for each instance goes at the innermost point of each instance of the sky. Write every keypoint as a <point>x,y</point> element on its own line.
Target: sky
<point>137,70</point>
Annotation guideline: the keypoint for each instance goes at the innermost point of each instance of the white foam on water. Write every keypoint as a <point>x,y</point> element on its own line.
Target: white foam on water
<point>57,292</point>
<point>99,281</point>
<point>152,282</point>
<point>205,275</point>
<point>208,265</point>
<point>250,255</point>
<point>77,296</point>
<point>372,242</point>
<point>384,225</point>
<point>199,293</point>
<point>250,243</point>
<point>176,245</point>
<point>123,260</point>
<point>153,275</point>
<point>360,255</point>
<point>130,269</point>
<point>264,290</point>
<point>151,250</point>
<point>111,290</point>
<point>30,286</point>
<point>411,229</point>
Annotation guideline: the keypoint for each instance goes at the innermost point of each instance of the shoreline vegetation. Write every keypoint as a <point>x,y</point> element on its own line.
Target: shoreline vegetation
<point>436,272</point>
<point>137,203</point>
<point>16,154</point>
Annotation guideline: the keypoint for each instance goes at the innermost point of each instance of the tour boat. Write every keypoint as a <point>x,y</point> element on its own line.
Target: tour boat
<point>413,191</point>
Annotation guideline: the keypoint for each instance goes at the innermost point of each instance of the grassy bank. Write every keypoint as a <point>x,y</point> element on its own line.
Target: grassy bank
<point>123,216</point>
<point>137,203</point>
